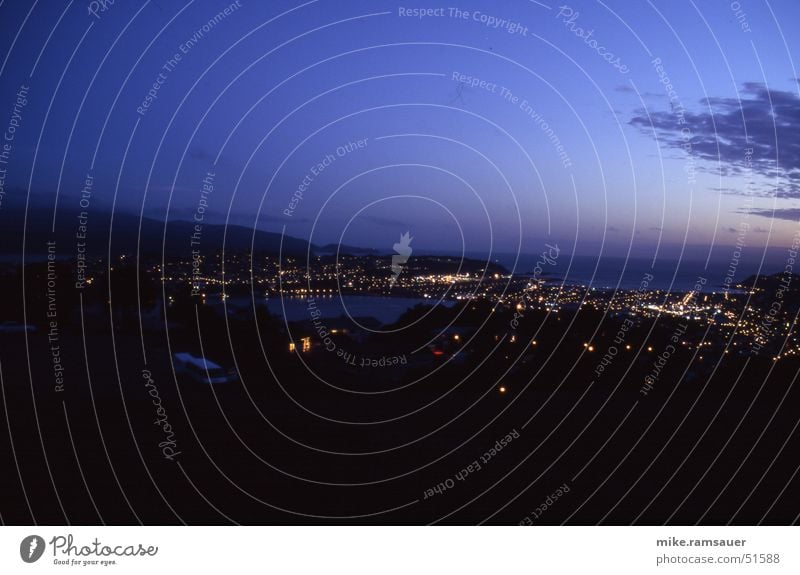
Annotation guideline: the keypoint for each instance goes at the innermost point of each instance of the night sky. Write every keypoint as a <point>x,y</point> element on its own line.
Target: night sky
<point>605,127</point>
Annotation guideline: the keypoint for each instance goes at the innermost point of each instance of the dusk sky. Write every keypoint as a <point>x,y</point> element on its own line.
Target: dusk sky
<point>507,125</point>
<point>400,262</point>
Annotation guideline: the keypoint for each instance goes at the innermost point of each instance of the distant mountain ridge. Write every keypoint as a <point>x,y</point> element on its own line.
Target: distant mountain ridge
<point>180,238</point>
<point>332,249</point>
<point>127,232</point>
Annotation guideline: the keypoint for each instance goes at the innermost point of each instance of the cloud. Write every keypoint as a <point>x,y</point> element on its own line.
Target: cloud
<point>200,154</point>
<point>754,135</point>
<point>791,214</point>
<point>628,89</point>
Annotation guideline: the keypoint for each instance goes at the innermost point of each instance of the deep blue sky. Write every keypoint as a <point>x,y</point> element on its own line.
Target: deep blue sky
<point>275,87</point>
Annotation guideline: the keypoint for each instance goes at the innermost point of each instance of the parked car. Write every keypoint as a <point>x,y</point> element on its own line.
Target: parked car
<point>203,370</point>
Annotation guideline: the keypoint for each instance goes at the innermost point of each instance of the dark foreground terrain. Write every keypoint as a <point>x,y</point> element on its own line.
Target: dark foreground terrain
<point>479,425</point>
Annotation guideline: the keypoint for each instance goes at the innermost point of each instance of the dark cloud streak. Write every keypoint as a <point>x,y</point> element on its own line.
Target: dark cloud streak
<point>765,121</point>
